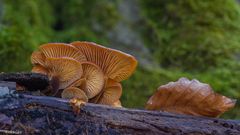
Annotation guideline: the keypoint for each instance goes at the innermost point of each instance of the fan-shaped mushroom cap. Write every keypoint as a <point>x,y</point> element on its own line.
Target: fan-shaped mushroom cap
<point>189,97</point>
<point>92,80</point>
<point>62,50</point>
<point>110,94</point>
<point>117,104</point>
<point>115,64</point>
<point>40,69</point>
<point>66,70</point>
<point>73,92</point>
<point>37,58</point>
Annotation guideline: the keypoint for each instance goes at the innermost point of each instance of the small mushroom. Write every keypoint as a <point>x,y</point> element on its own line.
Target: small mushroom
<point>115,64</point>
<point>189,97</point>
<point>62,50</point>
<point>110,94</point>
<point>73,92</point>
<point>117,104</point>
<point>37,58</point>
<point>63,71</point>
<point>92,80</point>
<point>40,69</point>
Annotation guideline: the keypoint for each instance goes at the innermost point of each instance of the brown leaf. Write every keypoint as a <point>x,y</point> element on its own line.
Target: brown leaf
<point>189,97</point>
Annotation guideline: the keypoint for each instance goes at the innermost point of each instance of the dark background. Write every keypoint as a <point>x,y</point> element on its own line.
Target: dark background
<point>170,38</point>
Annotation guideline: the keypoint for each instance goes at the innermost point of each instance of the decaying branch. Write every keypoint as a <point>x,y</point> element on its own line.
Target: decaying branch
<point>27,114</point>
<point>32,81</point>
<point>48,115</point>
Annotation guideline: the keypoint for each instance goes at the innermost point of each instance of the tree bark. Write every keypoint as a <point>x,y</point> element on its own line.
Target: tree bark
<point>48,115</point>
<point>31,81</point>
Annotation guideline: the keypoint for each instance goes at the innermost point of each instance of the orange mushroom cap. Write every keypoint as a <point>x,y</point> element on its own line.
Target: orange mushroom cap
<point>115,64</point>
<point>37,58</point>
<point>40,69</point>
<point>65,70</point>
<point>73,92</point>
<point>92,80</point>
<point>110,94</point>
<point>62,50</point>
<point>189,97</point>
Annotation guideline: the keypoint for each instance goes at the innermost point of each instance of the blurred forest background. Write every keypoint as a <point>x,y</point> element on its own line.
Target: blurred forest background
<point>171,39</point>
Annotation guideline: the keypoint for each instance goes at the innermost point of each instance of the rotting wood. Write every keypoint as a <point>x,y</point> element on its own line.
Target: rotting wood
<point>31,81</point>
<point>49,115</point>
<point>27,114</point>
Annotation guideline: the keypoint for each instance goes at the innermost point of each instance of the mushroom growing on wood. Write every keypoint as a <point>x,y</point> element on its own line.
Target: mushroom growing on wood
<point>115,64</point>
<point>189,97</point>
<point>63,71</point>
<point>86,66</point>
<point>73,92</point>
<point>92,80</point>
<point>110,94</point>
<point>77,98</point>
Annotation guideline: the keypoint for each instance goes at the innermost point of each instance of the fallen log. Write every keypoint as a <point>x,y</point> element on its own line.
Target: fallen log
<point>29,114</point>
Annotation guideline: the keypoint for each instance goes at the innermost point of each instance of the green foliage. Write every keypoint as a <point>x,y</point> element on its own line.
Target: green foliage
<point>84,19</point>
<point>193,35</point>
<point>24,25</point>
<point>139,87</point>
<point>22,28</point>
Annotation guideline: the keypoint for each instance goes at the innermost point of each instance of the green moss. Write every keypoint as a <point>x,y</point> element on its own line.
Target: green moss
<point>193,35</point>
<point>84,20</point>
<point>23,27</point>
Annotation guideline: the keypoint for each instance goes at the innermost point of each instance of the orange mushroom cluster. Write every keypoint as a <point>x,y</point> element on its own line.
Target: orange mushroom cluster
<point>84,70</point>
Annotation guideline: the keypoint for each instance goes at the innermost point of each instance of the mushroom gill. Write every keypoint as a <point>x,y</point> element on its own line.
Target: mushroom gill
<point>110,94</point>
<point>37,58</point>
<point>64,71</point>
<point>62,50</point>
<point>73,92</point>
<point>115,64</point>
<point>92,80</point>
<point>39,69</point>
<point>189,97</point>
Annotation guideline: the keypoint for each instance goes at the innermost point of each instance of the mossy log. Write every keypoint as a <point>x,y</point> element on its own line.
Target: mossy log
<point>28,114</point>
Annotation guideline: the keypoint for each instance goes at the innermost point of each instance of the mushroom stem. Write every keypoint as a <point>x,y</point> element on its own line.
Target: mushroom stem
<point>54,81</point>
<point>76,104</point>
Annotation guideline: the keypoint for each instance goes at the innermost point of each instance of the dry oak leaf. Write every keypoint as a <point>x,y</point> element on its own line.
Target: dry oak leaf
<point>189,97</point>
